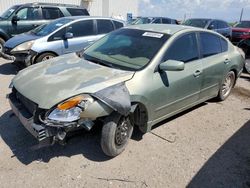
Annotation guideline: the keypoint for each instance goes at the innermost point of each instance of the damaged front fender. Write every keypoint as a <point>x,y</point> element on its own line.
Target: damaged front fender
<point>116,97</point>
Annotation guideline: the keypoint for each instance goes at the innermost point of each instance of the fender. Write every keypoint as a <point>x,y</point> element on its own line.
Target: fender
<point>4,35</point>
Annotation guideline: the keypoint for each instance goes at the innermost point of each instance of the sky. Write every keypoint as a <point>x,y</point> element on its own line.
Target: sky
<point>228,10</point>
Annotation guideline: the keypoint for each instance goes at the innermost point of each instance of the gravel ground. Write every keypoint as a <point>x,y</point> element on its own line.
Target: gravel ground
<point>207,146</point>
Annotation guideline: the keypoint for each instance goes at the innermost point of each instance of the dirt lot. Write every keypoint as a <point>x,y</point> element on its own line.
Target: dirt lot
<point>207,146</point>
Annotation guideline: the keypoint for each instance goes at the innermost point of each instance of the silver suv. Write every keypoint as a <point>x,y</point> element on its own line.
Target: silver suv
<point>62,36</point>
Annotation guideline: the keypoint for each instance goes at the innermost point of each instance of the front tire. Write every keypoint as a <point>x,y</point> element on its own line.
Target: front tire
<point>116,132</point>
<point>226,86</point>
<point>2,41</point>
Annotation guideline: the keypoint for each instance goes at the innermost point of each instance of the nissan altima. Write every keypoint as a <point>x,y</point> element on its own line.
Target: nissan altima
<point>135,76</point>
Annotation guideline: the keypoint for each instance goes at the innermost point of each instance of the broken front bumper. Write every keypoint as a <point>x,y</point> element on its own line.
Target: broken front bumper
<point>38,131</point>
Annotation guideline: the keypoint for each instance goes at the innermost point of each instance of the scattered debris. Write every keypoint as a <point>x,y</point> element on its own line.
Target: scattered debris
<point>170,140</point>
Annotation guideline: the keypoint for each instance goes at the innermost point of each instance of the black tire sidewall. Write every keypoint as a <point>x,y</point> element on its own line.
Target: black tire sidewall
<point>41,56</point>
<point>108,144</point>
<point>2,41</point>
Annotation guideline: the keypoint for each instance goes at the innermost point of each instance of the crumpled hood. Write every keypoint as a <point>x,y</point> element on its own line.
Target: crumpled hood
<point>19,39</point>
<point>51,82</point>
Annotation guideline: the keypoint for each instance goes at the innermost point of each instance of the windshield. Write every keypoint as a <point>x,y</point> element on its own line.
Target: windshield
<point>8,12</point>
<point>127,49</point>
<point>243,24</point>
<point>46,29</point>
<point>196,23</point>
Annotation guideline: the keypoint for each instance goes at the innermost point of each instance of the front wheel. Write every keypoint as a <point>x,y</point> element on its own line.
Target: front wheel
<point>44,57</point>
<point>116,132</point>
<point>226,86</point>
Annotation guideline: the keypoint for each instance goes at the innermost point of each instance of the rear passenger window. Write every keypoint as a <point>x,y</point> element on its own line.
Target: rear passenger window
<point>222,25</point>
<point>118,24</point>
<point>77,12</point>
<point>224,45</point>
<point>166,21</point>
<point>210,44</point>
<point>82,28</point>
<point>156,21</point>
<point>183,49</point>
<point>104,26</point>
<point>50,13</point>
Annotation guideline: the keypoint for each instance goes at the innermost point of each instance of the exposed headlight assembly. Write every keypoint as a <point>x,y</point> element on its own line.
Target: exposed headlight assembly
<point>24,46</point>
<point>70,109</point>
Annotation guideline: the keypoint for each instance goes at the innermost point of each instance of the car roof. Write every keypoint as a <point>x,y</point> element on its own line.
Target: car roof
<point>78,18</point>
<point>50,4</point>
<point>207,19</point>
<point>169,29</point>
<point>73,18</point>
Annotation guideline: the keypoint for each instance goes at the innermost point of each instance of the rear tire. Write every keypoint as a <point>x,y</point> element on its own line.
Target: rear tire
<point>116,132</point>
<point>2,41</point>
<point>44,57</point>
<point>226,86</point>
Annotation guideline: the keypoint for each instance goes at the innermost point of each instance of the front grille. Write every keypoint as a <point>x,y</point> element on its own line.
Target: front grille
<point>237,34</point>
<point>28,104</point>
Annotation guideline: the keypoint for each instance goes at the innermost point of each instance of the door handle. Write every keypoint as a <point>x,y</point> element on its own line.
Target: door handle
<point>227,61</point>
<point>197,73</point>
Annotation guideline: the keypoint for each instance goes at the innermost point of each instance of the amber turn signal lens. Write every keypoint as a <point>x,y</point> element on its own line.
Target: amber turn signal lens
<point>70,103</point>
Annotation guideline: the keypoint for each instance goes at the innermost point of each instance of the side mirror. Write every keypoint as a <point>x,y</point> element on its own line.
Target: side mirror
<point>211,27</point>
<point>172,65</point>
<point>68,35</point>
<point>15,19</point>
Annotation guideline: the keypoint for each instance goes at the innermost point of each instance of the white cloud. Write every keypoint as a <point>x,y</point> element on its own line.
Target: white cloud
<point>228,9</point>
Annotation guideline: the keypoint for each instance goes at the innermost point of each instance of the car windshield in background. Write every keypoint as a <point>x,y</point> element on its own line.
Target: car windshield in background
<point>128,49</point>
<point>8,12</point>
<point>243,24</point>
<point>49,28</point>
<point>196,23</point>
<point>141,21</point>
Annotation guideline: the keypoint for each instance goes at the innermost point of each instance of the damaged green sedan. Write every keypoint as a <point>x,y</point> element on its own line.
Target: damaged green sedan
<point>135,76</point>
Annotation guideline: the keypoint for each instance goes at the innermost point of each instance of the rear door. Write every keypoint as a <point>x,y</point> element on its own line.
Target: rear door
<point>84,33</point>
<point>214,60</point>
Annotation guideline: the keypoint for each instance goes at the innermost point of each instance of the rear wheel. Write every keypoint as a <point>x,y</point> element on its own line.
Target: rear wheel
<point>45,56</point>
<point>2,41</point>
<point>226,86</point>
<point>116,132</point>
<point>247,65</point>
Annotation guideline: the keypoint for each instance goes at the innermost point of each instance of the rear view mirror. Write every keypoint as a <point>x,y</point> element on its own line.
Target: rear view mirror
<point>172,65</point>
<point>68,35</point>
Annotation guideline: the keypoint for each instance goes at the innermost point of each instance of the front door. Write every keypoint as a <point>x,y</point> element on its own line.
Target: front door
<point>84,34</point>
<point>173,91</point>
<point>28,18</point>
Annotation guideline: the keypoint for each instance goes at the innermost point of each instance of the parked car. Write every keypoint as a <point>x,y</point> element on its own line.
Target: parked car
<point>135,76</point>
<point>64,35</point>
<point>25,17</point>
<point>241,31</point>
<point>154,20</point>
<point>241,36</point>
<point>219,26</point>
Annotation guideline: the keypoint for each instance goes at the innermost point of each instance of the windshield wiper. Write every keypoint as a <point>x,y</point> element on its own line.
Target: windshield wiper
<point>98,61</point>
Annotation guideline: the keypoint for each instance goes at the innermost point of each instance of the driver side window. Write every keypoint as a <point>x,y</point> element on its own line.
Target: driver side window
<point>28,13</point>
<point>183,49</point>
